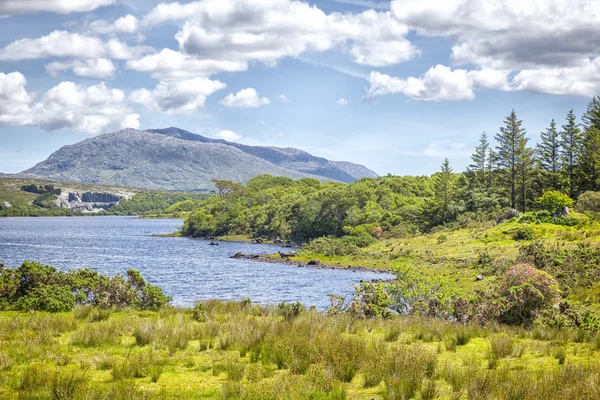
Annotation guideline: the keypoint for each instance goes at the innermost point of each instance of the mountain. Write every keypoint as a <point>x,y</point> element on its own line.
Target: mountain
<point>174,159</point>
<point>288,157</point>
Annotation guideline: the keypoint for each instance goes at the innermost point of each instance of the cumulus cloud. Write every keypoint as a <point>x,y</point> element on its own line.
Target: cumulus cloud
<point>245,98</point>
<point>438,83</point>
<point>228,135</point>
<point>66,44</point>
<point>181,97</point>
<point>126,24</point>
<point>91,109</point>
<point>12,7</point>
<point>14,100</point>
<point>342,102</point>
<point>170,65</point>
<point>227,30</point>
<point>91,68</point>
<point>284,99</point>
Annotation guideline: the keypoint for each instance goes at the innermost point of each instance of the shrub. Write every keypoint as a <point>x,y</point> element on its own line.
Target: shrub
<point>33,286</point>
<point>553,201</point>
<point>589,202</point>
<point>527,291</point>
<point>523,234</point>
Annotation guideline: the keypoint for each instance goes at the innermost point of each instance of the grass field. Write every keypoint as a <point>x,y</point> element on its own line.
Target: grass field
<point>453,254</point>
<point>239,350</point>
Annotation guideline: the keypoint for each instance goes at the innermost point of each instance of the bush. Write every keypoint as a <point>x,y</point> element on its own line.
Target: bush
<point>527,291</point>
<point>523,234</point>
<point>553,201</point>
<point>33,286</point>
<point>589,202</point>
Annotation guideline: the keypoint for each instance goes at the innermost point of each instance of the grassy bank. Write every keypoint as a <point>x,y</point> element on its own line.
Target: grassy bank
<point>239,350</point>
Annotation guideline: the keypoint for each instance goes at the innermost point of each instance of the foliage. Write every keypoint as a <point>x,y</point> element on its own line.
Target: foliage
<point>371,300</point>
<point>528,291</point>
<point>589,202</point>
<point>554,200</point>
<point>523,234</point>
<point>146,203</point>
<point>33,286</point>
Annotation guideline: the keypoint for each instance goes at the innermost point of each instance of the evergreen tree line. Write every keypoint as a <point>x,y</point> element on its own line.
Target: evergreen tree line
<point>512,173</point>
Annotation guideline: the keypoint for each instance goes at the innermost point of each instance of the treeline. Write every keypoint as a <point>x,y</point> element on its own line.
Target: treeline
<point>150,203</point>
<point>508,174</point>
<point>514,174</point>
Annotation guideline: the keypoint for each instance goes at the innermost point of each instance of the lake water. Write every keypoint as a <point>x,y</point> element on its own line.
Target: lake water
<point>187,269</point>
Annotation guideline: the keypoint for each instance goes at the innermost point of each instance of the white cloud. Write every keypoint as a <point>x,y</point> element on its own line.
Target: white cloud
<point>284,99</point>
<point>228,135</point>
<point>438,83</point>
<point>14,99</point>
<point>91,68</point>
<point>245,98</point>
<point>441,149</point>
<point>226,30</point>
<point>66,44</point>
<point>173,98</point>
<point>342,102</point>
<point>11,7</point>
<point>126,24</point>
<point>170,64</point>
<point>92,109</point>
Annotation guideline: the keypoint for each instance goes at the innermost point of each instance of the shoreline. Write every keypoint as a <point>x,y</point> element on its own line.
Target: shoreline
<point>300,263</point>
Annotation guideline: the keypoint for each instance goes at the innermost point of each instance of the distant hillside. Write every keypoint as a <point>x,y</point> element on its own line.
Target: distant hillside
<point>287,157</point>
<point>174,159</point>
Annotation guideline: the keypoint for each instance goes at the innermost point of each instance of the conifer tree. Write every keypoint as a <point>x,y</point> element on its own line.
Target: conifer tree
<point>589,164</point>
<point>548,156</point>
<point>479,166</point>
<point>444,187</point>
<point>508,157</point>
<point>591,118</point>
<point>571,146</point>
<point>525,173</point>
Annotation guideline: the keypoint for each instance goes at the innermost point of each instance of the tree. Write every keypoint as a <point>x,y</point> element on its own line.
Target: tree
<point>225,187</point>
<point>554,201</point>
<point>591,118</point>
<point>479,166</point>
<point>571,141</point>
<point>548,156</point>
<point>444,189</point>
<point>508,157</point>
<point>525,163</point>
<point>589,163</point>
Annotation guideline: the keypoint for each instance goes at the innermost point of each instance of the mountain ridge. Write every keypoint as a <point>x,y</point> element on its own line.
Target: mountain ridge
<point>174,159</point>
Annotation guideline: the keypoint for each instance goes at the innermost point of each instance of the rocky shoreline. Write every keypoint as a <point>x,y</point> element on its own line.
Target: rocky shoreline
<point>287,258</point>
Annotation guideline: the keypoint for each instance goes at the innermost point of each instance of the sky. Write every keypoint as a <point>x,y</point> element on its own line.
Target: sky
<point>395,86</point>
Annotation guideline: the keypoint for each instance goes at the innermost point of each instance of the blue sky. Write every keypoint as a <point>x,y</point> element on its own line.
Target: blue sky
<point>396,86</point>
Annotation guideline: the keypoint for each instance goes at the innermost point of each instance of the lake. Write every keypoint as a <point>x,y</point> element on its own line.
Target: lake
<point>187,269</point>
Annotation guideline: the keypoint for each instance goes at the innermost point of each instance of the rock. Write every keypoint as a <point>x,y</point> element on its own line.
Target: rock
<point>287,255</point>
<point>213,244</point>
<point>314,262</point>
<point>509,215</point>
<point>258,241</point>
<point>479,278</point>
<point>562,212</point>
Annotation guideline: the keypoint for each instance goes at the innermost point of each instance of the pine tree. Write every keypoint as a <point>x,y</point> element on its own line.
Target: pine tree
<point>548,156</point>
<point>591,118</point>
<point>479,168</point>
<point>571,146</point>
<point>444,187</point>
<point>525,173</point>
<point>589,164</point>
<point>508,157</point>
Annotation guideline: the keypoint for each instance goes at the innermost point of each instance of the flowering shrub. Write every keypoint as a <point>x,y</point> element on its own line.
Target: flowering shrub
<point>527,291</point>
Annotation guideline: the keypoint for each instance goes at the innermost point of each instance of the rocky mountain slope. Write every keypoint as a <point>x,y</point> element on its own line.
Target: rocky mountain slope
<point>288,157</point>
<point>174,159</point>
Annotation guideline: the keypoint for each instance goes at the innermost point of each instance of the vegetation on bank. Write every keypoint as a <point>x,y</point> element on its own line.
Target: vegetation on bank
<point>239,350</point>
<point>34,198</point>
